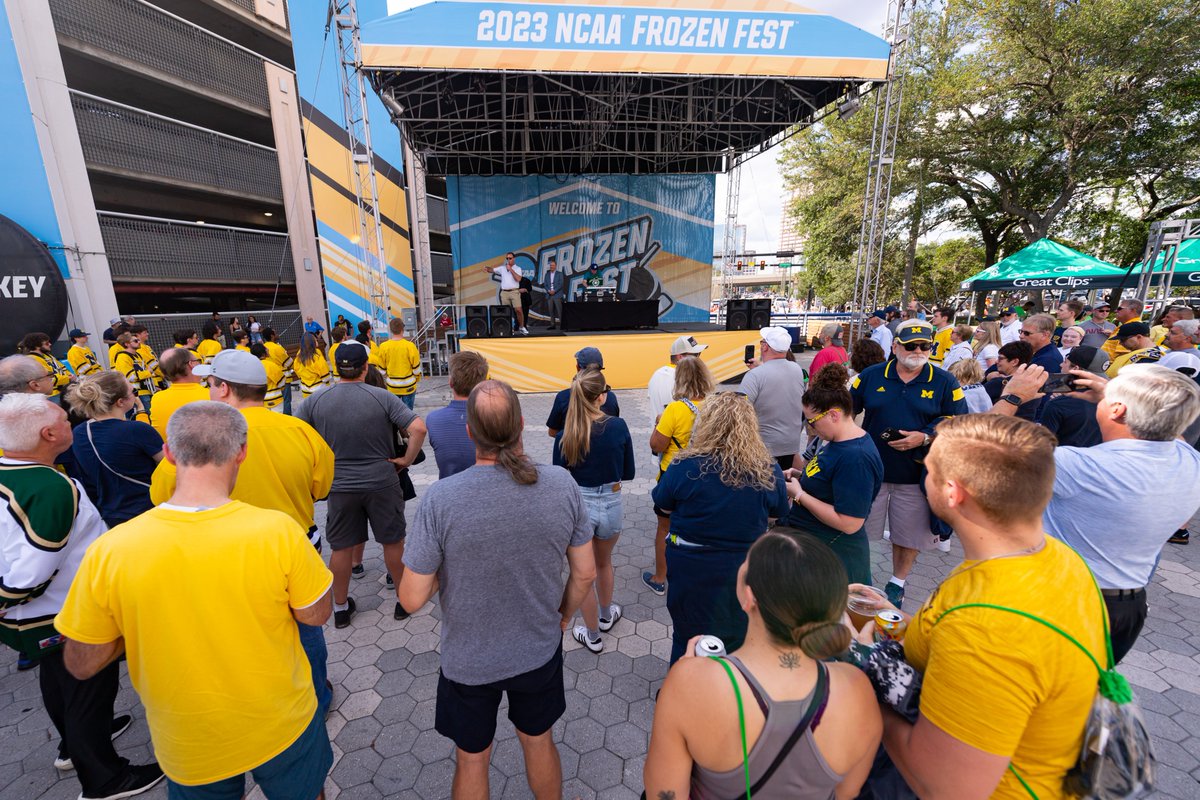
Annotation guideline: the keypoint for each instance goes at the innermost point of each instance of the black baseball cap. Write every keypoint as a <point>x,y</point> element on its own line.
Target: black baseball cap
<point>1133,329</point>
<point>1093,359</point>
<point>351,355</point>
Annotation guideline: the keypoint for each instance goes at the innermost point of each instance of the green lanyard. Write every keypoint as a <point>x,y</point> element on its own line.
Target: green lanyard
<point>741,719</point>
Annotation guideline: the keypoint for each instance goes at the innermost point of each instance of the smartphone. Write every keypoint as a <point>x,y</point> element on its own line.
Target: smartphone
<point>1059,383</point>
<point>891,434</point>
<point>750,353</point>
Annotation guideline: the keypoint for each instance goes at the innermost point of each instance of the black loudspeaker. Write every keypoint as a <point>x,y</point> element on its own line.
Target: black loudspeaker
<point>737,315</point>
<point>500,321</point>
<point>760,313</point>
<point>477,322</point>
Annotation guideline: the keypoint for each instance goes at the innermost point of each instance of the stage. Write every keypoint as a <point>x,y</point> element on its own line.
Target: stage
<point>546,363</point>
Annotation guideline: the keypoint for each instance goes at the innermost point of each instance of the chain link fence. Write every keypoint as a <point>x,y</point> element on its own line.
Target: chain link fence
<point>162,327</point>
<point>139,32</point>
<point>118,137</point>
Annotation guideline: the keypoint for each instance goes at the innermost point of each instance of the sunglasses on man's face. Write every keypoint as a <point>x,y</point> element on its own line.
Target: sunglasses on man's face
<point>911,346</point>
<point>1025,332</point>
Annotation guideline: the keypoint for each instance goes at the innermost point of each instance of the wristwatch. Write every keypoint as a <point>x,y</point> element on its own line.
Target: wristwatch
<point>928,439</point>
<point>1011,398</point>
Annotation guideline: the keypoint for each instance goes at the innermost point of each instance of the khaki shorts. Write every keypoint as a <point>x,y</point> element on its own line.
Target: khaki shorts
<point>511,297</point>
<point>905,510</point>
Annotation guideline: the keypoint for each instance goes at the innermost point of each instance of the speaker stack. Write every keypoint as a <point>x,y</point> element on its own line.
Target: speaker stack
<point>501,321</point>
<point>477,322</point>
<point>737,315</point>
<point>760,313</point>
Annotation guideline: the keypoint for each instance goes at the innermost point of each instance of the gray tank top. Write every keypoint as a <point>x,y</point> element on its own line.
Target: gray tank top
<point>803,775</point>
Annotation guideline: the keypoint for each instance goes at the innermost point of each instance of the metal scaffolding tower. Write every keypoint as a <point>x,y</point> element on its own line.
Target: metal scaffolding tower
<point>733,191</point>
<point>878,195</point>
<point>1165,239</point>
<point>372,264</point>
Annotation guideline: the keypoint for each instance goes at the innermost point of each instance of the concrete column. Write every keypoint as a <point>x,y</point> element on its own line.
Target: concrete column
<point>89,286</point>
<point>297,201</point>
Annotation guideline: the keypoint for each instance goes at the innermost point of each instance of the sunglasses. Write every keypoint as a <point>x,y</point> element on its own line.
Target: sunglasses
<point>1026,333</point>
<point>911,346</point>
<point>817,418</point>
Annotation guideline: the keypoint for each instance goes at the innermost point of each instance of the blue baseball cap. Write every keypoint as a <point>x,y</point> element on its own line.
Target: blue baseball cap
<point>589,356</point>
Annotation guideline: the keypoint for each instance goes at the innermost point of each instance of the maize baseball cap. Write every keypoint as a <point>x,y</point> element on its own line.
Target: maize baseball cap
<point>234,366</point>
<point>914,330</point>
<point>590,356</point>
<point>351,355</point>
<point>688,345</point>
<point>1133,329</point>
<point>1093,359</point>
<point>777,338</point>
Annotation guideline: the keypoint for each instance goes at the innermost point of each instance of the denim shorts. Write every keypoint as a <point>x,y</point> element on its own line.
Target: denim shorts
<point>604,509</point>
<point>298,772</point>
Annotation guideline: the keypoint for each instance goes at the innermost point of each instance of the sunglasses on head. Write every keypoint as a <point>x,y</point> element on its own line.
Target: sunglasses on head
<point>911,346</point>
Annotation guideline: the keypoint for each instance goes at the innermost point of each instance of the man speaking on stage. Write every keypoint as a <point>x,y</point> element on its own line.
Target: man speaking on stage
<point>510,288</point>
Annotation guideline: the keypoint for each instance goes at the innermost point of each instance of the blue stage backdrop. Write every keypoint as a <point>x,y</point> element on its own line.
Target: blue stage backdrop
<point>649,235</point>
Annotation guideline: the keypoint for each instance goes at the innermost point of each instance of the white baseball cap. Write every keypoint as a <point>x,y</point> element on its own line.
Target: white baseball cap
<point>777,338</point>
<point>234,366</point>
<point>687,344</point>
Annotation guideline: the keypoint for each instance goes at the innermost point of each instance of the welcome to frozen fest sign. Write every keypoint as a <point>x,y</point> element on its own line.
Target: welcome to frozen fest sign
<point>652,28</point>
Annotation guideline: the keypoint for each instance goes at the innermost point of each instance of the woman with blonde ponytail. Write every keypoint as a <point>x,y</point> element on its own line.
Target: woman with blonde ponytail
<point>598,452</point>
<point>793,590</point>
<point>115,456</point>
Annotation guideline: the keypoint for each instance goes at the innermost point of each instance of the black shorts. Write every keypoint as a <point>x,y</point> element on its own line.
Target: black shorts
<point>467,714</point>
<point>348,513</point>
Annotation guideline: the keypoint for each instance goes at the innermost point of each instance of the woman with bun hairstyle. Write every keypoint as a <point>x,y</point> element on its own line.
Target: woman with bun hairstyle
<point>793,590</point>
<point>832,495</point>
<point>115,456</point>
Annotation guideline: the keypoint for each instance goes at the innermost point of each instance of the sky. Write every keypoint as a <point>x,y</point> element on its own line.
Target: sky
<point>760,208</point>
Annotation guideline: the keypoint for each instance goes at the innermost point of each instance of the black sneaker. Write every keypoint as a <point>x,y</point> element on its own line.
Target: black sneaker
<point>388,580</point>
<point>357,571</point>
<point>137,780</point>
<point>24,663</point>
<point>1180,536</point>
<point>119,725</point>
<point>341,619</point>
<point>400,613</point>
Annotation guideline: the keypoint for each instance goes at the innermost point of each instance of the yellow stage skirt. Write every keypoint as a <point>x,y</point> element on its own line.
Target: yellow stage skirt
<point>547,364</point>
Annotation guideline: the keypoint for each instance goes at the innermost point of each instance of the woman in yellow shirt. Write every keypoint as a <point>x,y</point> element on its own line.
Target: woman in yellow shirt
<point>693,382</point>
<point>311,367</point>
<point>209,346</point>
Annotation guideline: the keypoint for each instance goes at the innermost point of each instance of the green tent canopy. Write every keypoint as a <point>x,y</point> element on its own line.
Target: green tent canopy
<point>1046,264</point>
<point>1187,266</point>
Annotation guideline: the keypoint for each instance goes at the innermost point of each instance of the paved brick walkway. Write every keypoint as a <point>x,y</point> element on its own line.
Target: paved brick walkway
<point>385,674</point>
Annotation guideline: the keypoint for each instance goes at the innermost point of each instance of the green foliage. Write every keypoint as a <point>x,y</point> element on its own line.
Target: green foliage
<point>1021,119</point>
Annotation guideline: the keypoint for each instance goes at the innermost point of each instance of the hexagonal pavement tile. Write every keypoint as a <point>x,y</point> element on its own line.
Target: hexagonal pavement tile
<point>593,683</point>
<point>584,735</point>
<point>395,709</point>
<point>359,704</point>
<point>600,769</point>
<point>626,740</point>
<point>361,678</point>
<point>394,739</point>
<point>358,733</point>
<point>431,746</point>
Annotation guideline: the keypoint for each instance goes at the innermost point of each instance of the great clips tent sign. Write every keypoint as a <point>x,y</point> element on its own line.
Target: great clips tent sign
<point>1046,264</point>
<point>33,295</point>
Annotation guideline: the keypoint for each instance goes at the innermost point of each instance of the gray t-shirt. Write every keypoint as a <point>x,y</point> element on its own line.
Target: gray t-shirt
<point>356,420</point>
<point>500,573</point>
<point>775,388</point>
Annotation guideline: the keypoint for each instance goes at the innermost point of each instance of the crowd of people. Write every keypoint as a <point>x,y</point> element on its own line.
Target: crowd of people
<point>163,511</point>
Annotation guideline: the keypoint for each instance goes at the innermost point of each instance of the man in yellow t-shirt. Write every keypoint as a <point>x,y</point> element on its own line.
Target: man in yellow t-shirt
<point>400,362</point>
<point>209,346</point>
<point>288,467</point>
<point>339,335</point>
<point>942,319</point>
<point>186,387</point>
<point>998,688</point>
<point>1128,310</point>
<point>1138,346</point>
<point>273,399</point>
<point>80,356</point>
<point>202,595</point>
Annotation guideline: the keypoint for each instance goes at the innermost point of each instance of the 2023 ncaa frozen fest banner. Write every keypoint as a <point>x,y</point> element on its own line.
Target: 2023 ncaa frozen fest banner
<point>650,236</point>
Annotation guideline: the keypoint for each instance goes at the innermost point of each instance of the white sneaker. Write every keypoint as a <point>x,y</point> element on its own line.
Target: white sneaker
<point>607,624</point>
<point>943,545</point>
<point>523,331</point>
<point>887,535</point>
<point>580,634</point>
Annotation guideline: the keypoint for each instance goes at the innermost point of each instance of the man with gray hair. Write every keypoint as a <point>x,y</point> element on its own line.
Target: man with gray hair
<point>22,374</point>
<point>1182,355</point>
<point>1143,467</point>
<point>202,594</point>
<point>47,523</point>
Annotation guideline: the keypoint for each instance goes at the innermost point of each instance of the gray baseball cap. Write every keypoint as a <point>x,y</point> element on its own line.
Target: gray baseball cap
<point>235,366</point>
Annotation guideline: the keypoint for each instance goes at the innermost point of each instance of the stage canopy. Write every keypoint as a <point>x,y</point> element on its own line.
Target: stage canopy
<point>1046,264</point>
<point>630,86</point>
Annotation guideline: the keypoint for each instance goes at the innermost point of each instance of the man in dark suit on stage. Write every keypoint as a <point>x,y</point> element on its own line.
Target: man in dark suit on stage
<point>553,284</point>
